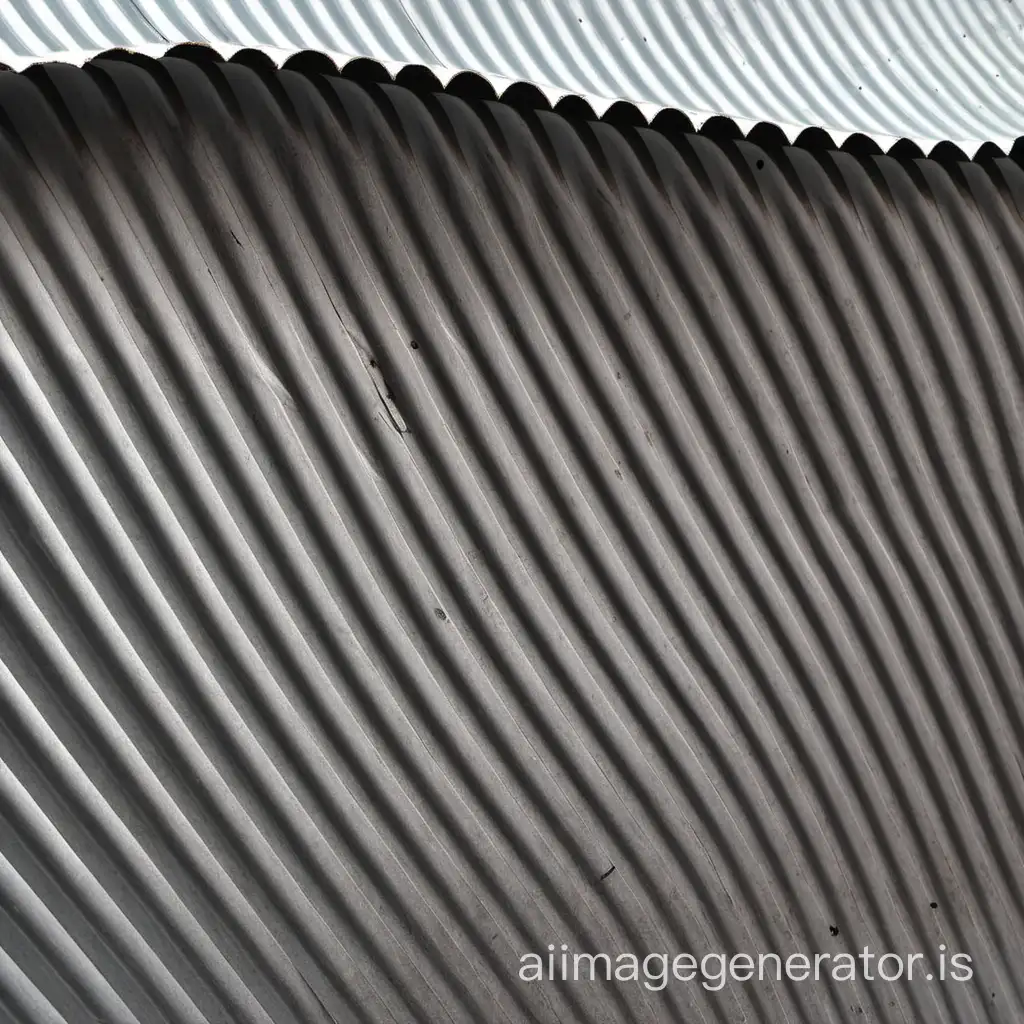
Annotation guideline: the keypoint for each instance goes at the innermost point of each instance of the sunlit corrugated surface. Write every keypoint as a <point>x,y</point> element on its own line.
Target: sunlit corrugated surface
<point>412,512</point>
<point>925,70</point>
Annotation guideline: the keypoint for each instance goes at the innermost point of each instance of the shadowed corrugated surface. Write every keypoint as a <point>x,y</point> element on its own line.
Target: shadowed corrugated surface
<point>413,510</point>
<point>925,70</point>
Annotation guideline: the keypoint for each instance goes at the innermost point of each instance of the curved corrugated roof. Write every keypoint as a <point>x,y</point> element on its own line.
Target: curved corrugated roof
<point>431,531</point>
<point>916,69</point>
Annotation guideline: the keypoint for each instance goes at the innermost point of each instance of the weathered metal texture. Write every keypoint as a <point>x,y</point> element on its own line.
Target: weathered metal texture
<point>413,510</point>
<point>917,69</point>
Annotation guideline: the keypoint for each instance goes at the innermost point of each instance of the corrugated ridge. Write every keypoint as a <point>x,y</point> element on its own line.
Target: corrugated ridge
<point>416,509</point>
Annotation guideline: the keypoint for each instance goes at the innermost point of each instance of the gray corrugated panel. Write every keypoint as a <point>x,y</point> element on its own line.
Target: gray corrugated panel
<point>916,69</point>
<point>413,511</point>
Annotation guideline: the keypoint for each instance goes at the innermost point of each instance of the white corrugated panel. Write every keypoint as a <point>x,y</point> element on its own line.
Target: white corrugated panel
<point>910,68</point>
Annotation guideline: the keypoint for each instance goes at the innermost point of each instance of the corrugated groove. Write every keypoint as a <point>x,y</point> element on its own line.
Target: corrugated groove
<point>414,510</point>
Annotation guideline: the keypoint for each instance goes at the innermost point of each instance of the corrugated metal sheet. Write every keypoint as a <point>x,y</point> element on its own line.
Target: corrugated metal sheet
<point>413,511</point>
<point>915,69</point>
